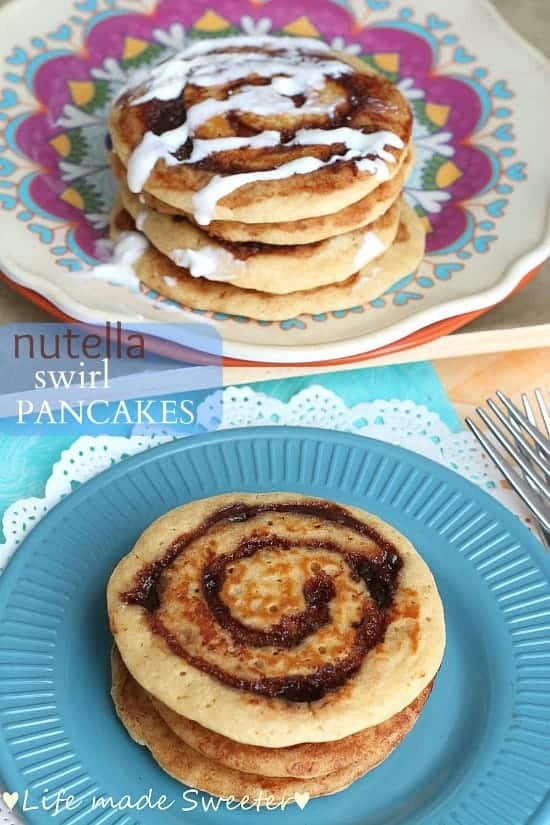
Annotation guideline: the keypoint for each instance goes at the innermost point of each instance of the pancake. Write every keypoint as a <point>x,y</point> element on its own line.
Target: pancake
<point>368,747</point>
<point>145,726</point>
<point>252,128</point>
<point>264,267</point>
<point>308,230</point>
<point>159,273</point>
<point>277,619</point>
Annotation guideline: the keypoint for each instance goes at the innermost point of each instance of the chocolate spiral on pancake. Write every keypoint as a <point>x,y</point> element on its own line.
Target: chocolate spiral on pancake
<point>282,599</point>
<point>224,114</point>
<point>275,618</point>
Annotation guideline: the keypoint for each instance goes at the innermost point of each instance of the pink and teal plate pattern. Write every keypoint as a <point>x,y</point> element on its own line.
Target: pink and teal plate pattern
<point>476,184</point>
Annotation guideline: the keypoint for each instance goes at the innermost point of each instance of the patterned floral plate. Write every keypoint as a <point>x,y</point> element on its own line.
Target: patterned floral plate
<point>479,94</point>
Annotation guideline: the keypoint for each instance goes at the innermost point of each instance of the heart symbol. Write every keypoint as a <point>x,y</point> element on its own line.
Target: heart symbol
<point>62,33</point>
<point>504,132</point>
<point>482,244</point>
<point>45,234</point>
<point>11,799</point>
<point>17,57</point>
<point>9,98</point>
<point>292,323</point>
<point>500,89</point>
<point>444,271</point>
<point>6,167</point>
<point>496,209</point>
<point>301,799</point>
<point>404,297</point>
<point>68,263</point>
<point>435,22</point>
<point>462,56</point>
<point>7,201</point>
<point>516,172</point>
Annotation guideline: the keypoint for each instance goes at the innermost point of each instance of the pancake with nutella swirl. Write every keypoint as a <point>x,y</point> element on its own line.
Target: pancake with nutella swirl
<point>161,274</point>
<point>368,748</point>
<point>276,269</point>
<point>277,619</point>
<point>348,761</point>
<point>245,128</point>
<point>308,230</point>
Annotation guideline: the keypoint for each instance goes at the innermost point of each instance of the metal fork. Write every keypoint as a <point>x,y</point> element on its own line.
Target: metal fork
<point>528,448</point>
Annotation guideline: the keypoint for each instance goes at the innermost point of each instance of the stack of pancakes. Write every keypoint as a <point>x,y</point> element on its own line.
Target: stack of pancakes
<point>272,647</point>
<point>267,175</point>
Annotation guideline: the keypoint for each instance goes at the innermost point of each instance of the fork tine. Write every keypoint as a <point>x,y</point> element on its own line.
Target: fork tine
<point>537,436</point>
<point>528,409</point>
<point>545,414</point>
<point>510,424</point>
<point>518,484</point>
<point>531,416</point>
<point>518,458</point>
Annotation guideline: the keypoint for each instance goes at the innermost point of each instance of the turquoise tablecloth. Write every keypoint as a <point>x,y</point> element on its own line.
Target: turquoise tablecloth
<point>26,461</point>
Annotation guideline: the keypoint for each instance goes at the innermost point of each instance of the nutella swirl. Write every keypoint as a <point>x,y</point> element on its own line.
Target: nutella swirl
<point>259,109</point>
<point>212,597</point>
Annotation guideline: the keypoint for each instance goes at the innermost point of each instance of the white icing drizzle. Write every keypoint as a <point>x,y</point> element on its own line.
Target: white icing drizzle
<point>205,200</point>
<point>152,149</point>
<point>169,280</point>
<point>127,250</point>
<point>167,80</point>
<point>353,139</point>
<point>141,218</point>
<point>364,279</point>
<point>262,100</point>
<point>291,73</point>
<point>214,263</point>
<point>203,148</point>
<point>370,249</point>
<point>163,73</point>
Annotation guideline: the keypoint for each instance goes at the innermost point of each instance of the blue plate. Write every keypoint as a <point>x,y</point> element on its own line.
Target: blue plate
<point>480,753</point>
